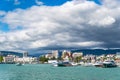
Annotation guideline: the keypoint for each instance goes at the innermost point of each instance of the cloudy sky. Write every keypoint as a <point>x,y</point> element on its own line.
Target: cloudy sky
<point>32,25</point>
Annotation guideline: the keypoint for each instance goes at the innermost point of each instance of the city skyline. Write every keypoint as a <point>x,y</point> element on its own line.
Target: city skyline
<point>39,24</point>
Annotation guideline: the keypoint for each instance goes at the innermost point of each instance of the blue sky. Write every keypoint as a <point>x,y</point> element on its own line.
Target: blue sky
<point>32,25</point>
<point>8,5</point>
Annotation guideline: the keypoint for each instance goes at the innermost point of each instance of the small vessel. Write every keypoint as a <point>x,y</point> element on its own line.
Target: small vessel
<point>74,64</point>
<point>98,64</point>
<point>18,64</point>
<point>64,64</point>
<point>55,64</point>
<point>109,64</point>
<point>88,64</point>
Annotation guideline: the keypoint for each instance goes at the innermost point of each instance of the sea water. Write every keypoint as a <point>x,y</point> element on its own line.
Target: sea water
<point>49,72</point>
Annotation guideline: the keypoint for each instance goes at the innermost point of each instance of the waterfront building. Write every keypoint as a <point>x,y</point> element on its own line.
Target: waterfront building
<point>26,60</point>
<point>89,58</point>
<point>117,58</point>
<point>9,59</point>
<point>77,54</point>
<point>25,54</point>
<point>66,55</point>
<point>49,56</point>
<point>101,58</point>
<point>118,55</point>
<point>110,57</point>
<point>55,53</point>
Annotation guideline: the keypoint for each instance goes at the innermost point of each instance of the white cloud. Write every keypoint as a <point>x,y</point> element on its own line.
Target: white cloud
<point>2,13</point>
<point>71,24</point>
<point>89,43</point>
<point>111,3</point>
<point>82,44</point>
<point>38,2</point>
<point>107,21</point>
<point>103,21</point>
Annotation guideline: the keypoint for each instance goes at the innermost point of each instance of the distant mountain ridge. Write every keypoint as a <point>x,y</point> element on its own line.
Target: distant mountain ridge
<point>5,53</point>
<point>98,51</point>
<point>84,51</point>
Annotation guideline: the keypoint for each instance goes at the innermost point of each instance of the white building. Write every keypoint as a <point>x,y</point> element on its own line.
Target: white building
<point>49,55</point>
<point>25,54</point>
<point>55,53</point>
<point>118,55</point>
<point>26,59</point>
<point>66,53</point>
<point>9,59</point>
<point>77,54</point>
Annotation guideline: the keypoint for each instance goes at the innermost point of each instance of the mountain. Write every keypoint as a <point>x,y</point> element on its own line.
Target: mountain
<point>97,51</point>
<point>84,51</point>
<point>5,53</point>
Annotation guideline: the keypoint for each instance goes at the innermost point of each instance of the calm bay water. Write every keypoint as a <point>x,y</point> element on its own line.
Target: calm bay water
<point>48,72</point>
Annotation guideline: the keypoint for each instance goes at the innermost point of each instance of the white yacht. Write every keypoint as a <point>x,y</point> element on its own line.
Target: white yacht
<point>55,64</point>
<point>98,64</point>
<point>88,64</point>
<point>74,64</point>
<point>109,64</point>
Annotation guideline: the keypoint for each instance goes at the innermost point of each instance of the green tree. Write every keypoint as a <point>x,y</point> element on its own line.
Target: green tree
<point>77,59</point>
<point>59,58</point>
<point>1,59</point>
<point>43,59</point>
<point>53,58</point>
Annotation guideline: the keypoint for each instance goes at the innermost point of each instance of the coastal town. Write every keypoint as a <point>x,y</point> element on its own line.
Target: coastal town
<point>76,58</point>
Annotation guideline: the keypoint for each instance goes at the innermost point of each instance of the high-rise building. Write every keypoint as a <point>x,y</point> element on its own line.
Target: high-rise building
<point>66,54</point>
<point>25,54</point>
<point>55,53</point>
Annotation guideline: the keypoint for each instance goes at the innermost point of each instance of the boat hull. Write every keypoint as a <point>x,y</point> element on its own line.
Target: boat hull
<point>98,65</point>
<point>109,66</point>
<point>64,64</point>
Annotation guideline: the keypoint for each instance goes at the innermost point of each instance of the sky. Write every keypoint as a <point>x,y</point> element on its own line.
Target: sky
<point>33,25</point>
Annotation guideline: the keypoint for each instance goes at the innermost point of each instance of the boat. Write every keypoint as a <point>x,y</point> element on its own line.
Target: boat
<point>18,64</point>
<point>64,64</point>
<point>98,64</point>
<point>87,64</point>
<point>74,64</point>
<point>109,64</point>
<point>55,64</point>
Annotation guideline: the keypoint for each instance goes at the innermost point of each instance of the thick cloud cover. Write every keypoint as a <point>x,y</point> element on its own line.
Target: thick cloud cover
<point>79,24</point>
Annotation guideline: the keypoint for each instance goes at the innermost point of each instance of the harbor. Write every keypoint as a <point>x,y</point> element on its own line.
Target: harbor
<point>66,59</point>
